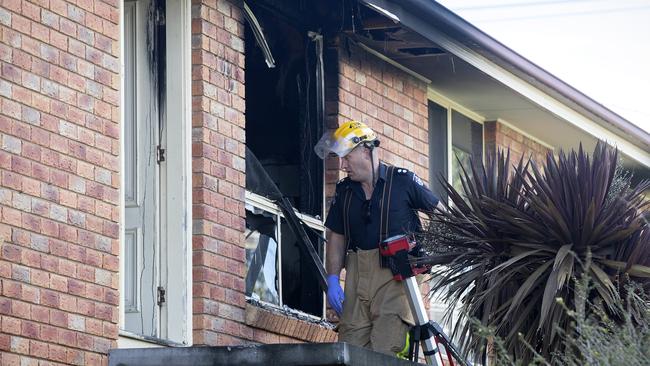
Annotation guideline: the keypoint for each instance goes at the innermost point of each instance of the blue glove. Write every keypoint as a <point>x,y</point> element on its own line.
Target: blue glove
<point>335,295</point>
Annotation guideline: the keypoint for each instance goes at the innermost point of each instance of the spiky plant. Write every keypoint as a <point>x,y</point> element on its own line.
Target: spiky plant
<point>512,240</point>
<point>593,338</point>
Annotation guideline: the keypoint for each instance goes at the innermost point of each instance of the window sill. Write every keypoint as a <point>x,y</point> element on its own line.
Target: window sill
<point>132,340</point>
<point>288,324</point>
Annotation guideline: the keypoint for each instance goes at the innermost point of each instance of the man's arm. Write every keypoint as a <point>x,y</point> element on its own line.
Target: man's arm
<point>334,264</point>
<point>421,198</point>
<point>335,252</point>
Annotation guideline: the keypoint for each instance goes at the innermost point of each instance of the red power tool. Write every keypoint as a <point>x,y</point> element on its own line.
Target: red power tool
<point>395,252</point>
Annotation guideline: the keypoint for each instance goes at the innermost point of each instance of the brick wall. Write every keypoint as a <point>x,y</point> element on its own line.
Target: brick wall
<point>59,196</point>
<point>59,181</point>
<point>500,136</point>
<point>218,179</point>
<point>391,102</point>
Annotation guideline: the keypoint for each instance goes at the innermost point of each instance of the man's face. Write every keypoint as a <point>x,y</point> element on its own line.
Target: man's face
<point>357,164</point>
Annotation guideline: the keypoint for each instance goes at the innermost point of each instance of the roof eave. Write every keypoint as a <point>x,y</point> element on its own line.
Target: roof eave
<point>492,49</point>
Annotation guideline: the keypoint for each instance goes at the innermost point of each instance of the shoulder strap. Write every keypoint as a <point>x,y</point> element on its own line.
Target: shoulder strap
<point>347,198</point>
<point>385,204</point>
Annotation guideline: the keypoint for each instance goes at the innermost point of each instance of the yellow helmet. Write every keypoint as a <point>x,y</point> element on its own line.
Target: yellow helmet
<point>345,138</point>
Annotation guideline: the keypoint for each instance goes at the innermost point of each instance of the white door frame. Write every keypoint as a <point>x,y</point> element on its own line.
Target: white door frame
<point>176,199</point>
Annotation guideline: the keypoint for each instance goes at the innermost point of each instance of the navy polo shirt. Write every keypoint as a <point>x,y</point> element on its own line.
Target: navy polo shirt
<point>408,195</point>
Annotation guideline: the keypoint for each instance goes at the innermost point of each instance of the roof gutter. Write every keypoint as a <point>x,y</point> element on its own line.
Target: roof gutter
<point>456,26</point>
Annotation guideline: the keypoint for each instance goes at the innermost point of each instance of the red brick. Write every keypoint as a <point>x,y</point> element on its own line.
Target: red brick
<point>49,333</point>
<point>101,345</point>
<point>32,259</point>
<point>38,349</point>
<point>5,343</point>
<point>5,306</point>
<point>30,329</point>
<point>86,307</point>
<point>40,314</point>
<point>104,312</point>
<point>11,325</point>
<point>57,353</point>
<point>75,357</point>
<point>70,303</point>
<point>50,298</point>
<point>11,180</point>
<point>40,278</point>
<point>67,337</point>
<point>68,233</point>
<point>76,287</point>
<point>9,252</point>
<point>12,289</point>
<point>30,294</point>
<point>93,359</point>
<point>94,326</point>
<point>85,341</point>
<point>58,318</point>
<point>20,345</point>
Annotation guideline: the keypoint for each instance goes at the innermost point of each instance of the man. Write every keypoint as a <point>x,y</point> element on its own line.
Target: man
<point>373,203</point>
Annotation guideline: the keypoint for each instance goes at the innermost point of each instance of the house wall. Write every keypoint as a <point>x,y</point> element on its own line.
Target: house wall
<point>221,314</point>
<point>59,185</point>
<point>359,86</point>
<point>59,136</point>
<point>499,136</point>
<point>391,102</point>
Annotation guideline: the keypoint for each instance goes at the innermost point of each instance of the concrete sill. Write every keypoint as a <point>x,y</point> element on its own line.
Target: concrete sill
<point>322,354</point>
<point>132,340</point>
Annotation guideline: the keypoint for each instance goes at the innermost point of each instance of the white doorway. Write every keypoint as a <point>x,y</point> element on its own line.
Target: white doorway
<point>156,159</point>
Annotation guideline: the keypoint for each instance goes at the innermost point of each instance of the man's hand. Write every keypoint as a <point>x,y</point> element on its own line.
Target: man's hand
<point>335,295</point>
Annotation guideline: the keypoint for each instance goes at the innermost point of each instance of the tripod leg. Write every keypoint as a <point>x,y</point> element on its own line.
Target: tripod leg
<point>431,352</point>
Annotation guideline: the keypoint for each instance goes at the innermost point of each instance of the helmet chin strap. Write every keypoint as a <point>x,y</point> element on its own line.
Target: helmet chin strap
<point>371,148</point>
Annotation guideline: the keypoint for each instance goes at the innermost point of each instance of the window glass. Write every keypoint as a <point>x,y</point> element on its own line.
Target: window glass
<point>304,294</point>
<point>261,255</point>
<point>467,142</point>
<point>437,148</point>
<point>279,268</point>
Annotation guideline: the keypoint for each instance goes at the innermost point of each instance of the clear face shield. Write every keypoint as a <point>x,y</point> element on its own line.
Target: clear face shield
<point>330,145</point>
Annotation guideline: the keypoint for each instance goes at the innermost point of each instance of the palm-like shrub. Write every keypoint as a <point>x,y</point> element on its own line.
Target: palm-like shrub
<point>513,242</point>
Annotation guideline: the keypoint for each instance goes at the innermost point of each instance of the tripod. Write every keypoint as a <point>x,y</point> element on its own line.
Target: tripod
<point>426,333</point>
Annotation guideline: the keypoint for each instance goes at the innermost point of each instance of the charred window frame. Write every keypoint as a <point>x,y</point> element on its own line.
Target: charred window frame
<point>284,119</point>
<point>271,251</point>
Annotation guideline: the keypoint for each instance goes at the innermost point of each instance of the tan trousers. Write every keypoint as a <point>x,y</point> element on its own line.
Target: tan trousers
<point>376,313</point>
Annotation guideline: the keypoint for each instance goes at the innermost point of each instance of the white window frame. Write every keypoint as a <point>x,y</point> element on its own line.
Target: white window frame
<point>315,223</point>
<point>436,305</point>
<point>179,107</point>
<point>451,107</point>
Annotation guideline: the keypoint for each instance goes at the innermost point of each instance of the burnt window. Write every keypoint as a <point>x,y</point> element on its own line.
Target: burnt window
<point>283,122</point>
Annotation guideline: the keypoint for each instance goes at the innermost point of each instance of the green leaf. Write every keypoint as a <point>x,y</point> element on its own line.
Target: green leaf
<point>635,270</point>
<point>513,260</point>
<point>529,284</point>
<point>561,254</point>
<point>603,285</point>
